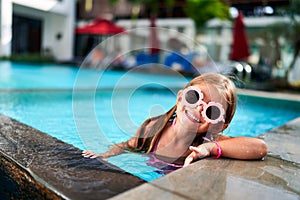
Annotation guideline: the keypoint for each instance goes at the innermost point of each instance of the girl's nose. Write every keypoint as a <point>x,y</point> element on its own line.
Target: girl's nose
<point>199,107</point>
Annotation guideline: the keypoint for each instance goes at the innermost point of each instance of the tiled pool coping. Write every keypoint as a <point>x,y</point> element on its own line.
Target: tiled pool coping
<point>38,166</point>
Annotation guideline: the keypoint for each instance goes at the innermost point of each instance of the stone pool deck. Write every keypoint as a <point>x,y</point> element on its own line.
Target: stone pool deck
<point>34,165</point>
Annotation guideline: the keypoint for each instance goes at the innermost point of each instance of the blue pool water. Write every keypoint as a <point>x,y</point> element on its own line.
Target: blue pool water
<point>22,76</point>
<point>94,117</point>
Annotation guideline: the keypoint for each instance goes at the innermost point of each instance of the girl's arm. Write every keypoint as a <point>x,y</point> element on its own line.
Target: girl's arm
<point>115,150</point>
<point>243,148</point>
<point>121,147</point>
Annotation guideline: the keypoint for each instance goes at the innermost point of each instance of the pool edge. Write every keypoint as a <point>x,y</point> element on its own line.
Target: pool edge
<point>55,168</point>
<point>271,95</point>
<point>22,182</point>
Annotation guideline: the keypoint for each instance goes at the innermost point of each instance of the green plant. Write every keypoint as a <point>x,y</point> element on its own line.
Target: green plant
<point>28,57</point>
<point>202,11</point>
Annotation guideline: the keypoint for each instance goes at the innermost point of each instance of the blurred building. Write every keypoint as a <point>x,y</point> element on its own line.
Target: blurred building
<point>47,26</point>
<point>88,9</point>
<point>257,7</point>
<point>258,14</point>
<point>131,17</point>
<point>35,26</point>
<point>265,22</point>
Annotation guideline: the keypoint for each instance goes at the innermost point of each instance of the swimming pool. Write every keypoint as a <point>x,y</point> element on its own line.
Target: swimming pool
<point>95,117</point>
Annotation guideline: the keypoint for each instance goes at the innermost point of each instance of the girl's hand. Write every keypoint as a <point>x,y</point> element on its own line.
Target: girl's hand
<point>89,154</point>
<point>201,151</point>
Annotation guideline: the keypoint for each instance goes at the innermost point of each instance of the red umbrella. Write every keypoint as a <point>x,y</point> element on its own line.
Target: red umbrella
<point>240,48</point>
<point>100,27</point>
<point>154,41</point>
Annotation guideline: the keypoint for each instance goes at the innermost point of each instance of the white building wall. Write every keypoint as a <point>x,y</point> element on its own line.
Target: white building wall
<point>167,28</point>
<point>5,27</point>
<point>58,34</point>
<point>58,18</point>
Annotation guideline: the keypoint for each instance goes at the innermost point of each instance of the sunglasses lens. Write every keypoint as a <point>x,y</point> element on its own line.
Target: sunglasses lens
<point>192,96</point>
<point>213,112</point>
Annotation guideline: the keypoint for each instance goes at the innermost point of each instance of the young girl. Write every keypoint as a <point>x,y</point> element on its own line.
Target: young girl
<point>192,128</point>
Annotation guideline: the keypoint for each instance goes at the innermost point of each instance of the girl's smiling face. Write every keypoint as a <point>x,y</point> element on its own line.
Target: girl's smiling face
<point>190,117</point>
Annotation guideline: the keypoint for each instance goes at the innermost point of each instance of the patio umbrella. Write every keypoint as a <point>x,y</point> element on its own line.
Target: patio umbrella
<point>100,26</point>
<point>154,41</point>
<point>96,32</point>
<point>240,48</point>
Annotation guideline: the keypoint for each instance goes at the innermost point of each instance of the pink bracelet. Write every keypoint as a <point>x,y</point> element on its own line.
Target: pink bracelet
<point>219,150</point>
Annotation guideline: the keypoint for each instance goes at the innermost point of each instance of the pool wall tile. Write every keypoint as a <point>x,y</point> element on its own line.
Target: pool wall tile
<point>17,183</point>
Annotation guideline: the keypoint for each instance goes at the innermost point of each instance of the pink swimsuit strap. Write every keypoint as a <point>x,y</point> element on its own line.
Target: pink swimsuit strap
<point>154,159</point>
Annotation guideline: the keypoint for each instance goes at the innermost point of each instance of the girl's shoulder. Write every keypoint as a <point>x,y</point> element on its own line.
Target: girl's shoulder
<point>223,137</point>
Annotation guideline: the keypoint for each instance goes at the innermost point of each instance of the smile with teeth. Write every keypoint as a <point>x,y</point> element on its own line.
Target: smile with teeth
<point>192,117</point>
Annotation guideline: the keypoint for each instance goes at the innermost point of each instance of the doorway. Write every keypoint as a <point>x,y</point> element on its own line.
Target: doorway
<point>26,35</point>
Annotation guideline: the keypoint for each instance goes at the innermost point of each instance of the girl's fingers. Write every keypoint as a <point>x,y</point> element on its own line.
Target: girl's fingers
<point>199,152</point>
<point>195,149</point>
<point>86,152</point>
<point>89,154</point>
<point>188,161</point>
<point>94,156</point>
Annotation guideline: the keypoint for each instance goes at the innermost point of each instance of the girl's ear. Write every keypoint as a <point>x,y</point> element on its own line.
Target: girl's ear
<point>179,96</point>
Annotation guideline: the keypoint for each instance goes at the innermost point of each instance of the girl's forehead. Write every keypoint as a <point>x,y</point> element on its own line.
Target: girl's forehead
<point>210,93</point>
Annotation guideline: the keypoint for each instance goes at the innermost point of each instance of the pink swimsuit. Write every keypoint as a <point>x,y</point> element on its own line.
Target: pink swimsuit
<point>164,167</point>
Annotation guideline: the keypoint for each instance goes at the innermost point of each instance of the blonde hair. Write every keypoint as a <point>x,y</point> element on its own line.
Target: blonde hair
<point>147,137</point>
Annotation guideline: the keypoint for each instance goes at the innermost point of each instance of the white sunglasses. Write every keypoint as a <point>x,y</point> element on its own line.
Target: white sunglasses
<point>212,112</point>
